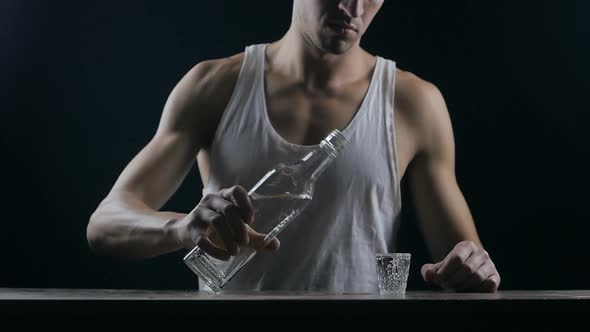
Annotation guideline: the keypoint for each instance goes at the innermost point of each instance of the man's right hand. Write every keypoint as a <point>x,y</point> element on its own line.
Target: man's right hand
<point>220,223</point>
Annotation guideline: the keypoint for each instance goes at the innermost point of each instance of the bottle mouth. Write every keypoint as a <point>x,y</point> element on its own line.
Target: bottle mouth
<point>336,141</point>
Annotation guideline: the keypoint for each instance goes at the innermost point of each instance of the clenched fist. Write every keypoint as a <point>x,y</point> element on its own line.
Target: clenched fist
<point>467,268</point>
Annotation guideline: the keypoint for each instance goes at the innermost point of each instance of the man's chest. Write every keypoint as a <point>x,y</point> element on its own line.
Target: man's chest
<point>305,116</point>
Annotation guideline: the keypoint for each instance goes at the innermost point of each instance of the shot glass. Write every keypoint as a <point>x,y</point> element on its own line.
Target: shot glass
<point>392,272</point>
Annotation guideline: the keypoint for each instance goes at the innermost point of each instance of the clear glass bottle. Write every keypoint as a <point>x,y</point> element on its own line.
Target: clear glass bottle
<point>278,198</point>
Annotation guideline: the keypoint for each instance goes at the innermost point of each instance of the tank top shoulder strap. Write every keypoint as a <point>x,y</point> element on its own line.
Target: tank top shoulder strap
<point>388,80</point>
<point>238,113</point>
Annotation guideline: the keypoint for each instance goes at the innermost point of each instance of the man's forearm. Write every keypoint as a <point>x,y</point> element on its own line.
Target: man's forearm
<point>124,226</point>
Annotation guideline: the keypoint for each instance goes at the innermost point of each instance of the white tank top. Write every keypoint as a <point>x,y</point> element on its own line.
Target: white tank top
<point>355,211</point>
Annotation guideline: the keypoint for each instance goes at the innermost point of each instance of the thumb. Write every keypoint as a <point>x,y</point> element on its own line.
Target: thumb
<point>257,241</point>
<point>429,271</point>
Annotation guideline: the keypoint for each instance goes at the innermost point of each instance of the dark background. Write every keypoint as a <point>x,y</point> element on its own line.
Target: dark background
<point>83,86</point>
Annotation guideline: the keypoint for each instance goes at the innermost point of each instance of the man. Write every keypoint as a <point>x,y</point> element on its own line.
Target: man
<point>243,114</point>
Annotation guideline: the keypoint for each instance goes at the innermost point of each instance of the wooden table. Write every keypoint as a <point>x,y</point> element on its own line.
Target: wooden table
<point>149,308</point>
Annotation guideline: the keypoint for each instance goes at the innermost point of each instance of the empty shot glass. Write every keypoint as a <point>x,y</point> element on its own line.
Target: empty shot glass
<point>392,272</point>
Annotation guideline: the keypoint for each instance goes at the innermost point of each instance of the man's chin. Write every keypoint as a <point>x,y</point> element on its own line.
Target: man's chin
<point>337,47</point>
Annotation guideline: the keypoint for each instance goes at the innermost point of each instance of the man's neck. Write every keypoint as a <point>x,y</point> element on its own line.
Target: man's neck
<point>299,59</point>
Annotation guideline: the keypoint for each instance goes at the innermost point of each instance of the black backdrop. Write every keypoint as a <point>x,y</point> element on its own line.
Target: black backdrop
<point>83,85</point>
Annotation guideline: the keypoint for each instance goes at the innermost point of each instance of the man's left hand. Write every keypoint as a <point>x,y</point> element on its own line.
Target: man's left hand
<point>467,268</point>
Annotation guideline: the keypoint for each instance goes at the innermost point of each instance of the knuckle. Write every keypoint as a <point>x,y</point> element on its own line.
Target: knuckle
<point>456,259</point>
<point>469,269</point>
<point>466,244</point>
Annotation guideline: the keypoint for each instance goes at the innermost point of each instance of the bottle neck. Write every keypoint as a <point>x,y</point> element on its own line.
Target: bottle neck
<point>319,159</point>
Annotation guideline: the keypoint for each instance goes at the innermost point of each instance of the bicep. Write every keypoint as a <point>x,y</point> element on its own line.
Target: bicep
<point>157,171</point>
<point>187,124</point>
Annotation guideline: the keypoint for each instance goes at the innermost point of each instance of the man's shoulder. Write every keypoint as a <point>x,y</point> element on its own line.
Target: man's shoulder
<point>215,77</point>
<point>419,100</point>
<point>414,92</point>
<point>200,97</point>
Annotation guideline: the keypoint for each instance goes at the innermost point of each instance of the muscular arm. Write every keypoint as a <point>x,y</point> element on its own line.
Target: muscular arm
<point>127,222</point>
<point>442,211</point>
<point>461,262</point>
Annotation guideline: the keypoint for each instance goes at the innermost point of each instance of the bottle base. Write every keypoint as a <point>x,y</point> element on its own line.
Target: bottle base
<point>202,266</point>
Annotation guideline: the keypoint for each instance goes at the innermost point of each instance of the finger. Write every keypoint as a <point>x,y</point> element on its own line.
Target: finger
<point>215,220</point>
<point>257,241</point>
<point>476,260</point>
<point>451,263</point>
<point>491,284</point>
<point>222,230</point>
<point>231,220</point>
<point>475,278</point>
<point>475,282</point>
<point>212,250</point>
<point>273,245</point>
<point>467,272</point>
<point>428,272</point>
<point>239,196</point>
<point>458,277</point>
<point>490,276</point>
